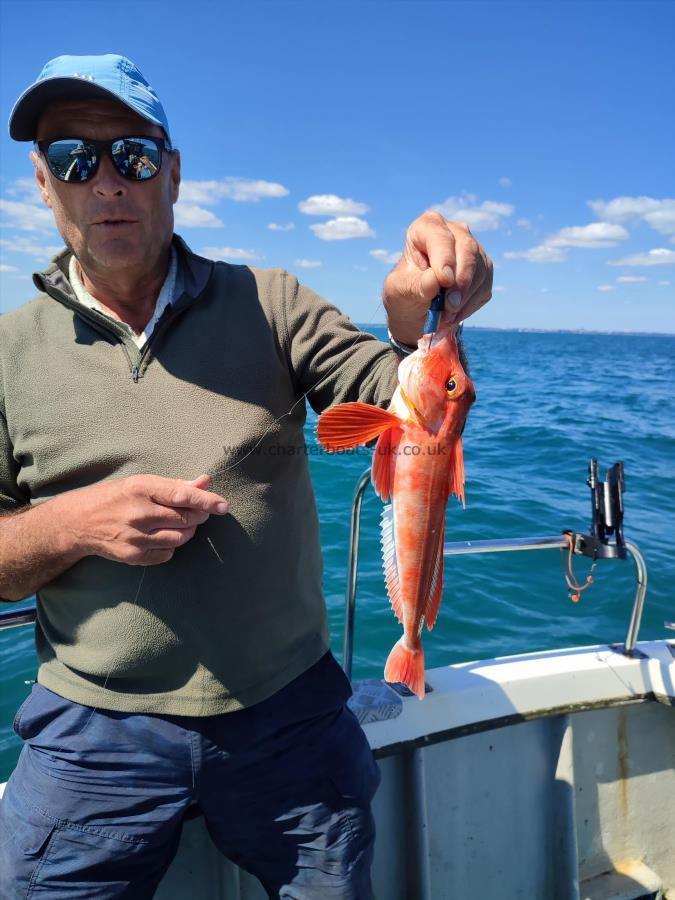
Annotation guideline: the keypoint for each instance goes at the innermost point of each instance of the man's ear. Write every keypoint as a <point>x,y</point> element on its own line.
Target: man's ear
<point>174,176</point>
<point>40,177</point>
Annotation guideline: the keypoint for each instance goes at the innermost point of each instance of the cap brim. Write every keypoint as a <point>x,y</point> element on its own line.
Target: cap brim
<point>24,117</point>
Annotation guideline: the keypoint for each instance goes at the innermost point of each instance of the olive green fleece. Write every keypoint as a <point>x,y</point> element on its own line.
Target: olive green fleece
<point>217,389</point>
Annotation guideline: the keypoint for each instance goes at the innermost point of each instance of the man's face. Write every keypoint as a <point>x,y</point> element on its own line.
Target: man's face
<point>80,209</point>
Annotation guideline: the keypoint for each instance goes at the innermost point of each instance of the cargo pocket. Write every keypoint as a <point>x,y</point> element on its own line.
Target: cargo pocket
<point>16,724</point>
<point>26,837</point>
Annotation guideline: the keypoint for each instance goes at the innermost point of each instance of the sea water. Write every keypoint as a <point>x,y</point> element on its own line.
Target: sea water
<point>546,403</point>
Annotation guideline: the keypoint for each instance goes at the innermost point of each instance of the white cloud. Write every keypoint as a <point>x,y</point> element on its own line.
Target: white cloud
<point>485,216</point>
<point>26,211</point>
<point>660,256</point>
<point>541,254</point>
<point>361,268</point>
<point>4,268</point>
<point>26,216</point>
<point>631,279</point>
<point>308,263</point>
<point>190,216</point>
<point>386,257</point>
<point>524,223</point>
<point>605,287</point>
<point>498,289</point>
<point>242,190</point>
<point>273,226</point>
<point>555,247</point>
<point>665,283</point>
<point>31,248</point>
<point>505,182</point>
<point>659,214</point>
<point>331,205</point>
<point>26,188</point>
<point>343,228</point>
<point>225,253</point>
<point>597,234</point>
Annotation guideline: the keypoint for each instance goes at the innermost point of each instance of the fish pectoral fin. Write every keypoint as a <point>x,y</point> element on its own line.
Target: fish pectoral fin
<point>436,585</point>
<point>389,562</point>
<point>382,470</point>
<point>456,471</point>
<point>352,424</point>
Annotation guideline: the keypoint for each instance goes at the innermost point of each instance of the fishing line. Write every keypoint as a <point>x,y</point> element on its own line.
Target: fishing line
<point>304,396</point>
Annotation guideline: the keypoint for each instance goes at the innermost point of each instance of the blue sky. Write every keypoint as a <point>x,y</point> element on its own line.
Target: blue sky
<point>548,126</point>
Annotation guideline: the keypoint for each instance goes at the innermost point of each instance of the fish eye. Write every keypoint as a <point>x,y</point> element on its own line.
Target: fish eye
<point>451,385</point>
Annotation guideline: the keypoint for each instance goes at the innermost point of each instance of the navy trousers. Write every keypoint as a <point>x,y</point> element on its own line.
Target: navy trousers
<point>95,806</point>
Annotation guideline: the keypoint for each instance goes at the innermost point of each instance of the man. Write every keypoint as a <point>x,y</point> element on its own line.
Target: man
<point>181,631</point>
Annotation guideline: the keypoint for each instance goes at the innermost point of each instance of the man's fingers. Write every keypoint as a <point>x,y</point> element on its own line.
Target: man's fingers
<point>183,493</point>
<point>474,302</point>
<point>176,517</point>
<point>474,281</point>
<point>469,266</point>
<point>430,236</point>
<point>429,285</point>
<point>166,538</point>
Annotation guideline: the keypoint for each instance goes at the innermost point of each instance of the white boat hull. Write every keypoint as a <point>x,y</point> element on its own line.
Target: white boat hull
<point>546,776</point>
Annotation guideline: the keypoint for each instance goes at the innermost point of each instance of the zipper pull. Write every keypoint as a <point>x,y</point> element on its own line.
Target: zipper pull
<point>134,374</point>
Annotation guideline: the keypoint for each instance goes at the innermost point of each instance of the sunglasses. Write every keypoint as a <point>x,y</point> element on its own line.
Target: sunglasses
<point>76,160</point>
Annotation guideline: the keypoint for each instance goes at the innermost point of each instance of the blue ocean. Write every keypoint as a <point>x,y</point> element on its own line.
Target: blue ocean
<point>546,403</point>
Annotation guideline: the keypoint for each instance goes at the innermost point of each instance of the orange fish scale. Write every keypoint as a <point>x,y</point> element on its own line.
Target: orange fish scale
<point>419,500</point>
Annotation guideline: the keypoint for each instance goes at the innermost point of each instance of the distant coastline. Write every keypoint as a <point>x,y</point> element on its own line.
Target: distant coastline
<point>666,334</point>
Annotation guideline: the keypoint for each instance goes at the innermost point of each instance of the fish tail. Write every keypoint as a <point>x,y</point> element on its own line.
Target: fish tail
<point>406,664</point>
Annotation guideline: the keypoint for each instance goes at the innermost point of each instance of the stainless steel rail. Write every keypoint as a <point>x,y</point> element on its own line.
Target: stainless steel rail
<point>25,616</point>
<point>460,548</point>
<point>13,618</point>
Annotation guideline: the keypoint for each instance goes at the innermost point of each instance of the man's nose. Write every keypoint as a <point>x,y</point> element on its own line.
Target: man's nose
<point>108,182</point>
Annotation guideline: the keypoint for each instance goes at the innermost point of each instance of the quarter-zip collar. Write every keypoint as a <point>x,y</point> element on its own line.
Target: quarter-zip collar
<point>196,273</point>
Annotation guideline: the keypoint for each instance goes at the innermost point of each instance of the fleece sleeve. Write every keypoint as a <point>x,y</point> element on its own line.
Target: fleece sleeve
<point>11,497</point>
<point>333,361</point>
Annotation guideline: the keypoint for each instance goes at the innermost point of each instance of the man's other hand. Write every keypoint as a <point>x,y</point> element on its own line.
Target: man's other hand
<point>139,520</point>
<point>438,255</point>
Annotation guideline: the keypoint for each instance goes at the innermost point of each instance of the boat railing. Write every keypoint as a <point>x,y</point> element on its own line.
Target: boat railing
<point>460,548</point>
<point>27,615</point>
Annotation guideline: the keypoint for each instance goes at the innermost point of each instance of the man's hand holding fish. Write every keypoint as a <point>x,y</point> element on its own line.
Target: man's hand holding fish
<point>438,255</point>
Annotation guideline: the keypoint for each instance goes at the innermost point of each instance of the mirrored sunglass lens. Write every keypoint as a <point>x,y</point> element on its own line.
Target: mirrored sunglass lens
<point>136,158</point>
<point>71,160</point>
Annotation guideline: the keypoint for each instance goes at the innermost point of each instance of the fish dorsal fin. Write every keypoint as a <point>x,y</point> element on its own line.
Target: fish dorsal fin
<point>436,585</point>
<point>382,470</point>
<point>351,424</point>
<point>389,562</point>
<point>456,471</point>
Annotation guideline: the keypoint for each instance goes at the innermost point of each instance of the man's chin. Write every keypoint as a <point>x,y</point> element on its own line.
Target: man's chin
<point>118,252</point>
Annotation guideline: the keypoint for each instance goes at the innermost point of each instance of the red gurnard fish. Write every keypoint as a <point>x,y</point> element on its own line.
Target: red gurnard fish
<point>417,464</point>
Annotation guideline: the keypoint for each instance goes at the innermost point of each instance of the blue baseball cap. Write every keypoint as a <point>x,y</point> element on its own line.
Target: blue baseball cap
<point>80,77</point>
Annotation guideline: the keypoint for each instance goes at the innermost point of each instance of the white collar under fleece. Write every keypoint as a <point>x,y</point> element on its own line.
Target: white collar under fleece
<point>166,296</point>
